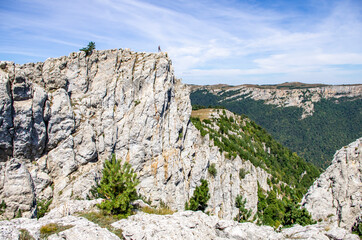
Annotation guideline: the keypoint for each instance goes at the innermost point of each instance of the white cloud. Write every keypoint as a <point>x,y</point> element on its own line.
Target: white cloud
<point>225,39</point>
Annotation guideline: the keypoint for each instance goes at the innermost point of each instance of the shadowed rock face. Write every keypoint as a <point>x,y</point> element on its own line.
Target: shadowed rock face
<point>336,196</point>
<point>61,119</point>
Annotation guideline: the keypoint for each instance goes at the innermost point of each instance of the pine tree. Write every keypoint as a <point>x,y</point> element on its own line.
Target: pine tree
<point>89,49</point>
<point>200,197</point>
<point>117,187</point>
<point>296,215</point>
<point>244,213</point>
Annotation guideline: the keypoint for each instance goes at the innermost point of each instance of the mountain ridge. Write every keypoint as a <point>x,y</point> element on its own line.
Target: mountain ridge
<point>314,122</point>
<point>286,85</point>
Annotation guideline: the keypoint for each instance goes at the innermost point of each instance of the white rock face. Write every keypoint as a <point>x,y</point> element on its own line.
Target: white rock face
<point>302,98</point>
<point>73,206</point>
<point>336,196</point>
<point>61,119</point>
<point>197,225</point>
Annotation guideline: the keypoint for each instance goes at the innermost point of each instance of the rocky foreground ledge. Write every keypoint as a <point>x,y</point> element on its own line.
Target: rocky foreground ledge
<point>181,225</point>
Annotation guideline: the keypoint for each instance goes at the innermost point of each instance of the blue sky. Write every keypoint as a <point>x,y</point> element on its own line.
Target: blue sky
<point>209,42</point>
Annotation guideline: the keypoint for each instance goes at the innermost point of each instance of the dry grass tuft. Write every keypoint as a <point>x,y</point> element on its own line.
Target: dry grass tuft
<point>104,221</point>
<point>202,113</point>
<point>25,235</point>
<point>158,211</point>
<point>52,228</point>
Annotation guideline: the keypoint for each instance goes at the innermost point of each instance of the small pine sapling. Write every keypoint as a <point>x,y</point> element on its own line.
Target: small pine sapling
<point>117,187</point>
<point>198,201</point>
<point>244,213</point>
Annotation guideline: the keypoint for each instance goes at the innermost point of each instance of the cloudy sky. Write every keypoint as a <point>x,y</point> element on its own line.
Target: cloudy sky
<point>209,42</point>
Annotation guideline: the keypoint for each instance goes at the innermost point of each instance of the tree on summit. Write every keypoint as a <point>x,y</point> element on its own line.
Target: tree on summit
<point>89,49</point>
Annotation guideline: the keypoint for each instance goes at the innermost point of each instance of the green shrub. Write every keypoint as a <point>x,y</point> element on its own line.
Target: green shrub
<point>207,121</point>
<point>19,214</point>
<point>296,215</point>
<point>244,214</point>
<point>2,207</point>
<point>242,173</point>
<point>180,135</point>
<point>117,187</point>
<point>89,49</point>
<point>200,197</point>
<point>42,207</point>
<point>212,169</point>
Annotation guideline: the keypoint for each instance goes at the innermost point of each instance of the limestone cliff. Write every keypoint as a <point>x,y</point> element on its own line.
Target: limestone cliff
<point>336,196</point>
<point>61,119</point>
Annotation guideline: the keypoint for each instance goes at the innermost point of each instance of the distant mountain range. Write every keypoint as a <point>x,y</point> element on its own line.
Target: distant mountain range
<point>313,120</point>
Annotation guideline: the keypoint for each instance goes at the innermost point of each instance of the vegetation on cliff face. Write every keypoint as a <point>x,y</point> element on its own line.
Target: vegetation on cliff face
<point>198,201</point>
<point>291,176</point>
<point>243,137</point>
<point>244,213</point>
<point>315,138</point>
<point>274,211</point>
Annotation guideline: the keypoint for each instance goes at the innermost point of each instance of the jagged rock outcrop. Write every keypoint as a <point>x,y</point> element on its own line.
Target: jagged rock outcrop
<point>181,225</point>
<point>336,196</point>
<point>286,95</point>
<point>61,119</point>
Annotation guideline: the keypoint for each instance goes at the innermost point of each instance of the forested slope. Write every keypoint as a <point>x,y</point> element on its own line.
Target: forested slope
<point>334,123</point>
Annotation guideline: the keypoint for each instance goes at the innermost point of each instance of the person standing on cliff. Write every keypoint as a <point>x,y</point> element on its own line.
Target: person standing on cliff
<point>159,48</point>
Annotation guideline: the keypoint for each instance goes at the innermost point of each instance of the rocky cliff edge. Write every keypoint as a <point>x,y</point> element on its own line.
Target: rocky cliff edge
<point>62,118</point>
